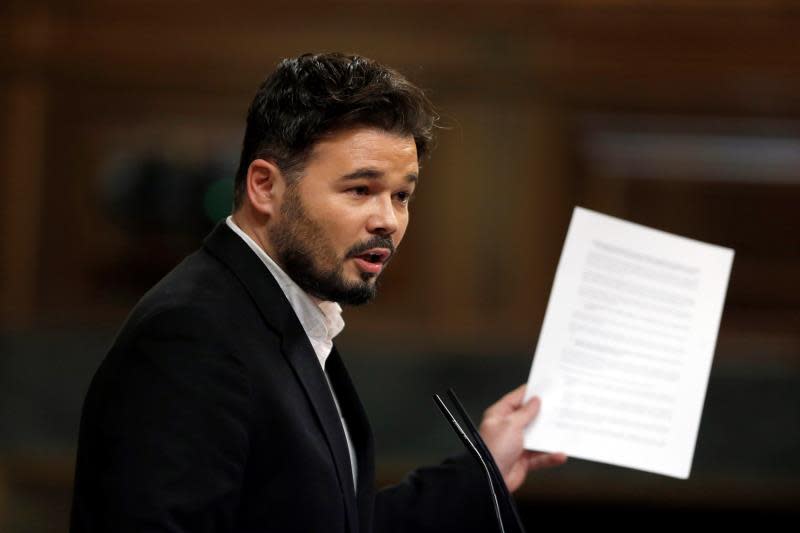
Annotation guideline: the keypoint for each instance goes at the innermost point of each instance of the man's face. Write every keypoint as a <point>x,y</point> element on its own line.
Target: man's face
<point>339,225</point>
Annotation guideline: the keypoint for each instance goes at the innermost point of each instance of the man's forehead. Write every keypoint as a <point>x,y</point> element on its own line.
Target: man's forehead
<point>366,147</point>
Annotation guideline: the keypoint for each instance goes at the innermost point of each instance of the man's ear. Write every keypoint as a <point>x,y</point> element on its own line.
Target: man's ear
<point>264,186</point>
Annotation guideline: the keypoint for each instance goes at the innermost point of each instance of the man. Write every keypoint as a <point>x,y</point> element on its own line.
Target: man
<point>223,405</point>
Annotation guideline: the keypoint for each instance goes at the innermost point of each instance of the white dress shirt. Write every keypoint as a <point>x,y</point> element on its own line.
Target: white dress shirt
<point>321,322</point>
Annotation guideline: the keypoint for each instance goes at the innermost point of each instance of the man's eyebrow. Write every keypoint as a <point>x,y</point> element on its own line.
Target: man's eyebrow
<point>372,173</point>
<point>368,173</point>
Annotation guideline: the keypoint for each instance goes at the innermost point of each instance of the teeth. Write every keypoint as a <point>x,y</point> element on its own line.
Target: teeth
<point>372,258</point>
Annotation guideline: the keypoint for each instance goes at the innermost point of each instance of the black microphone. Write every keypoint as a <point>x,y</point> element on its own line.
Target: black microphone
<point>477,447</point>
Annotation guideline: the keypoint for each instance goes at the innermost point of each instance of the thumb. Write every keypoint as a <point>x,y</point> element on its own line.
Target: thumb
<point>527,412</point>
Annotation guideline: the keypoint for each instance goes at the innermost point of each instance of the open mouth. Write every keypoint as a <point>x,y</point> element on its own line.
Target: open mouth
<point>372,261</point>
<point>375,255</point>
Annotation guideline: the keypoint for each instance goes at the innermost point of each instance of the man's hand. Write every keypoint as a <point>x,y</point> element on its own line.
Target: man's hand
<point>502,428</point>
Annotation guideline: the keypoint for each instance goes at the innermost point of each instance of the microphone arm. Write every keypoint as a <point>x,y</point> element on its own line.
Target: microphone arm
<point>474,450</point>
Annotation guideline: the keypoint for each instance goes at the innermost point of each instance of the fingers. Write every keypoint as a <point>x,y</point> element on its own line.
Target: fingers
<point>509,403</point>
<point>540,460</point>
<point>511,406</point>
<point>525,414</point>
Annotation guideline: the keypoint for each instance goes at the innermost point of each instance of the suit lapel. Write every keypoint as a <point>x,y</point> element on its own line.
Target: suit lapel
<point>229,248</point>
<point>301,356</point>
<point>360,433</point>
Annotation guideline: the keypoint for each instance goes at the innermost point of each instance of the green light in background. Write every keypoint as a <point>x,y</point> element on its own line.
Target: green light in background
<point>217,199</point>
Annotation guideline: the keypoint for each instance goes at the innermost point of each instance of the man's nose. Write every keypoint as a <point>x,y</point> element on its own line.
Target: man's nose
<point>383,219</point>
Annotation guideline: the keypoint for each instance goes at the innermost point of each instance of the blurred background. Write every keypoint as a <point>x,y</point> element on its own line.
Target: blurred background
<point>119,133</point>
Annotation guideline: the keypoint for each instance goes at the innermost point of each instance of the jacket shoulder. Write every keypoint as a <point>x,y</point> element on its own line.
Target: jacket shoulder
<point>198,291</point>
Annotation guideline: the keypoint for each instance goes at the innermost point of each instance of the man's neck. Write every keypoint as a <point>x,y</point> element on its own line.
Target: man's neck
<point>254,229</point>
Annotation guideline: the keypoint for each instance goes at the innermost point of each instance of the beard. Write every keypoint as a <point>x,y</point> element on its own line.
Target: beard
<point>306,255</point>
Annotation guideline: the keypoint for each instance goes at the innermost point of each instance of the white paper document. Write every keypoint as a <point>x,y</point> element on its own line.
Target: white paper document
<point>625,350</point>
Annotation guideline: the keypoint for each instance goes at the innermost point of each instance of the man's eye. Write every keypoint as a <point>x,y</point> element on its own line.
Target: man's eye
<point>403,197</point>
<point>359,191</point>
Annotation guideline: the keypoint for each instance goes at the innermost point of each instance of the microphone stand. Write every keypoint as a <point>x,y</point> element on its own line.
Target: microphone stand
<point>477,447</point>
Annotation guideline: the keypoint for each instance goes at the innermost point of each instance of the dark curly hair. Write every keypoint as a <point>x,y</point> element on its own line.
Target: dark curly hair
<point>313,95</point>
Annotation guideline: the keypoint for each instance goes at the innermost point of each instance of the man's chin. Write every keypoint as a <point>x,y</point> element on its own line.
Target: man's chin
<point>353,291</point>
<point>368,277</point>
<point>359,289</point>
<point>358,295</point>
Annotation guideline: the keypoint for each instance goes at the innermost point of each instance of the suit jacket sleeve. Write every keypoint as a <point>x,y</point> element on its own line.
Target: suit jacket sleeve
<point>451,497</point>
<point>168,437</point>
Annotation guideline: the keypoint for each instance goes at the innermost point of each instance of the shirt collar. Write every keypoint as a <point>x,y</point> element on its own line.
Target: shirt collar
<point>321,322</point>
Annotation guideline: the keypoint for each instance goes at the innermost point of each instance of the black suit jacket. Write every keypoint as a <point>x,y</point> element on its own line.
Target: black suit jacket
<point>211,413</point>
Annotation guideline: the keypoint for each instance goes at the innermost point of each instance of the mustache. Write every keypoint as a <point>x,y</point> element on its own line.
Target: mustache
<point>375,242</point>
